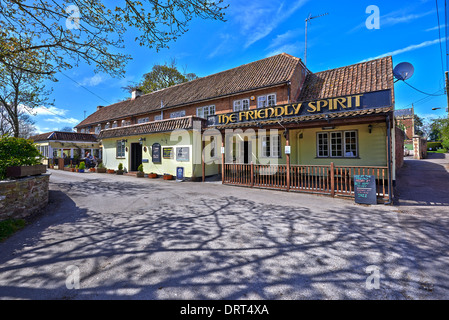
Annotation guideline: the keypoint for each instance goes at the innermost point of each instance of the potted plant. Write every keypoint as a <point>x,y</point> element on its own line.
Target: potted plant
<point>101,168</point>
<point>91,169</point>
<point>120,169</point>
<point>111,171</point>
<point>152,175</point>
<point>77,169</point>
<point>140,173</point>
<point>72,168</point>
<point>82,167</point>
<point>168,176</point>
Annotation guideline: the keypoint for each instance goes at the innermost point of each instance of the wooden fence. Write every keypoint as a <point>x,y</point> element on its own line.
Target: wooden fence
<point>324,179</point>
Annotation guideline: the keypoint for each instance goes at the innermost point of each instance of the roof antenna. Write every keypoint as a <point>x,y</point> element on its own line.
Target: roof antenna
<point>307,20</point>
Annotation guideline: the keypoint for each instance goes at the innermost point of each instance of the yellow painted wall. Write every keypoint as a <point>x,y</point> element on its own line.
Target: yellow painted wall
<point>192,168</point>
<point>372,147</point>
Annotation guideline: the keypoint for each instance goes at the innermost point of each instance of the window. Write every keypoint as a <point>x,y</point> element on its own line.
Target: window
<point>143,120</point>
<point>204,112</point>
<point>114,124</point>
<point>158,117</point>
<point>337,144</point>
<point>271,146</point>
<point>212,147</point>
<point>126,123</point>
<point>241,105</point>
<point>107,125</point>
<point>120,151</point>
<point>266,101</point>
<point>178,114</point>
<point>98,129</point>
<point>83,130</point>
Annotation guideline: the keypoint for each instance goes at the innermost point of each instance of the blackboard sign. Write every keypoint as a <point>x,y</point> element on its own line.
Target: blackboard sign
<point>365,189</point>
<point>156,153</point>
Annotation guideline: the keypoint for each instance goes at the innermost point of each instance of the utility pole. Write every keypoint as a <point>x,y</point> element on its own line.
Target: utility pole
<point>447,92</point>
<point>307,20</point>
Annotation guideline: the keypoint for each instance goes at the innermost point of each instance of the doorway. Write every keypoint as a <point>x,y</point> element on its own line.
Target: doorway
<point>136,156</point>
<point>246,152</point>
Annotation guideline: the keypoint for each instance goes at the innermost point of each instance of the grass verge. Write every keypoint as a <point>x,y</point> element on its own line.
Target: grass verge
<point>9,226</point>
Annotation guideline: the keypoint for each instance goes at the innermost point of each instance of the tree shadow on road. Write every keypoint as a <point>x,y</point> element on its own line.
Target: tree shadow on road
<point>229,248</point>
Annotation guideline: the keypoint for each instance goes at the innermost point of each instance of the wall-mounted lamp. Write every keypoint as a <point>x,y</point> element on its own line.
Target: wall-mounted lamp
<point>141,140</point>
<point>370,128</point>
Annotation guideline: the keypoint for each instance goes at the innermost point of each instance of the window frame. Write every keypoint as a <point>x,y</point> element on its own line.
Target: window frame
<point>118,152</point>
<point>266,99</point>
<point>240,108</point>
<point>273,153</point>
<point>182,112</point>
<point>343,144</point>
<point>200,111</point>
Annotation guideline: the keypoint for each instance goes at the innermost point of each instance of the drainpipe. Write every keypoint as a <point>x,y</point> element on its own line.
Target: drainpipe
<point>390,196</point>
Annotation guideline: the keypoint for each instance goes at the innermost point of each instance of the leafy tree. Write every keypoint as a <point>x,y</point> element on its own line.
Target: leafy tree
<point>160,77</point>
<point>419,124</point>
<point>440,131</point>
<point>69,32</point>
<point>21,89</point>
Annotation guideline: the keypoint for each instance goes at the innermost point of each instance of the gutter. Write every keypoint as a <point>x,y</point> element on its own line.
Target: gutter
<point>390,195</point>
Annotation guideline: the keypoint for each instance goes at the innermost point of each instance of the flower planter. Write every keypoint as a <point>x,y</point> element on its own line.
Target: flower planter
<point>24,171</point>
<point>168,177</point>
<point>81,170</point>
<point>111,171</point>
<point>152,175</point>
<point>140,174</point>
<point>92,170</point>
<point>119,172</point>
<point>72,169</point>
<point>101,170</point>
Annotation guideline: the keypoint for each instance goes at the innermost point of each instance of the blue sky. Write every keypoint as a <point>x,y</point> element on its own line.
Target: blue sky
<point>257,29</point>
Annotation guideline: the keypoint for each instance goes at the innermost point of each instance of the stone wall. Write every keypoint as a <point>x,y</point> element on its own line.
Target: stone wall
<point>23,197</point>
<point>419,148</point>
<point>399,152</point>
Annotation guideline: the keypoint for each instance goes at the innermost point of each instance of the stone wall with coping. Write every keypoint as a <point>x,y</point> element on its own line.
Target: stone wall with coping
<point>22,197</point>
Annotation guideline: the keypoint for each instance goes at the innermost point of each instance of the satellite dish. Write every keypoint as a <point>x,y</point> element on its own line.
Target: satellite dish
<point>403,71</point>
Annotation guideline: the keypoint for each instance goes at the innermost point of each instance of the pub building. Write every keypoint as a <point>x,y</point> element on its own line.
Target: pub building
<point>271,123</point>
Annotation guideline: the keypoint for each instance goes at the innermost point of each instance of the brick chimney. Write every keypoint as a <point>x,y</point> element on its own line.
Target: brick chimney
<point>99,107</point>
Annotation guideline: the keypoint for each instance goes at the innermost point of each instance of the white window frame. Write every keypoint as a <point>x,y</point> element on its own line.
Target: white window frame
<point>158,117</point>
<point>177,114</point>
<point>143,120</point>
<point>239,105</point>
<point>120,149</point>
<point>204,112</point>
<point>97,129</point>
<point>114,124</point>
<point>268,100</point>
<point>344,144</point>
<point>269,148</point>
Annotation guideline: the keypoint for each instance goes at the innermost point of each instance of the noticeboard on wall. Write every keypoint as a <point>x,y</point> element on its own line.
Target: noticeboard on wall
<point>182,154</point>
<point>156,153</point>
<point>167,153</point>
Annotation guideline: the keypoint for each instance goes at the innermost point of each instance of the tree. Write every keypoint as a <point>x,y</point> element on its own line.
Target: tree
<point>20,90</point>
<point>440,131</point>
<point>69,32</point>
<point>66,129</point>
<point>160,77</point>
<point>419,124</point>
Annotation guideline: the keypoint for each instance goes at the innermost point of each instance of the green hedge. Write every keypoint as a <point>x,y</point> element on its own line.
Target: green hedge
<point>17,152</point>
<point>433,146</point>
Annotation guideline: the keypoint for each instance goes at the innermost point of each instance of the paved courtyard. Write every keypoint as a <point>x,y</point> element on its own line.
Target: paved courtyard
<point>133,238</point>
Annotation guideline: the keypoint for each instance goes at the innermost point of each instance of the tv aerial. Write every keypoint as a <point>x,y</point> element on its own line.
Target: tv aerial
<point>403,71</point>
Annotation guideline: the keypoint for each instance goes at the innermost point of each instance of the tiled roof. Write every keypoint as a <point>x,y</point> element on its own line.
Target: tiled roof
<point>299,119</point>
<point>373,75</point>
<point>259,74</point>
<point>403,113</point>
<point>151,127</point>
<point>64,136</point>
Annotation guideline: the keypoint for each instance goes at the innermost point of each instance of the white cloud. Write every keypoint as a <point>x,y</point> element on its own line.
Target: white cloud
<point>406,49</point>
<point>436,28</point>
<point>42,110</point>
<point>63,120</point>
<point>259,19</point>
<point>93,81</point>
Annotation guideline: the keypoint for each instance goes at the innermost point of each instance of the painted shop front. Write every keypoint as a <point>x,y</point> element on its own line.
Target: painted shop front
<point>313,146</point>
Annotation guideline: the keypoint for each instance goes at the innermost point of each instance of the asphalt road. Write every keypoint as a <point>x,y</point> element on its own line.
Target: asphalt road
<point>118,237</point>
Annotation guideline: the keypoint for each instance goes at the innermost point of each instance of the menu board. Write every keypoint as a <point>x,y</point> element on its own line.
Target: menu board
<point>365,189</point>
<point>156,153</point>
